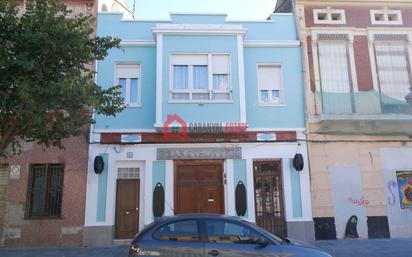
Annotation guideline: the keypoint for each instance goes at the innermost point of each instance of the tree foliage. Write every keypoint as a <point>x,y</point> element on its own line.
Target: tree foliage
<point>46,82</point>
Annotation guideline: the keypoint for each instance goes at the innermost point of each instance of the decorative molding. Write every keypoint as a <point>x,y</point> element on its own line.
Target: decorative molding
<point>159,78</point>
<point>266,137</point>
<point>271,43</point>
<point>210,29</point>
<point>199,153</point>
<point>329,12</point>
<point>137,43</point>
<point>242,87</point>
<point>131,138</point>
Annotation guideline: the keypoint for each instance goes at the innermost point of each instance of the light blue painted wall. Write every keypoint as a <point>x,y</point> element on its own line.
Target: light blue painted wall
<point>208,112</point>
<point>281,28</point>
<point>292,114</point>
<point>111,24</point>
<point>239,174</point>
<point>296,192</point>
<point>102,190</point>
<point>135,117</point>
<point>159,174</point>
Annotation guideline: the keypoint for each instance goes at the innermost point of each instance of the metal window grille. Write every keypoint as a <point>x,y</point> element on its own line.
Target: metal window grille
<point>128,173</point>
<point>44,191</point>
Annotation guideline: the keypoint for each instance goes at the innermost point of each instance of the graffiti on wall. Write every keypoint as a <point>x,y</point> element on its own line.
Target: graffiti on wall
<point>349,203</point>
<point>358,201</point>
<point>351,230</point>
<point>404,179</point>
<point>391,185</point>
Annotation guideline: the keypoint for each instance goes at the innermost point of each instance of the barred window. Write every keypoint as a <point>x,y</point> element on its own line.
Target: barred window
<point>44,191</point>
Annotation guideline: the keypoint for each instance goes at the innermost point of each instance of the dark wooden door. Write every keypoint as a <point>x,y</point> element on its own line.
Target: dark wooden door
<point>199,187</point>
<point>127,208</point>
<point>269,207</point>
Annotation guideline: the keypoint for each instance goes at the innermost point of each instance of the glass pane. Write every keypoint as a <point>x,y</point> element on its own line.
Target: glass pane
<point>221,96</point>
<point>221,81</point>
<point>201,96</point>
<point>133,91</point>
<point>393,70</point>
<point>276,96</point>
<point>180,96</point>
<point>54,190</point>
<point>334,68</point>
<point>226,232</point>
<point>200,80</point>
<point>178,231</point>
<point>38,190</point>
<point>264,96</point>
<point>180,77</point>
<point>122,83</point>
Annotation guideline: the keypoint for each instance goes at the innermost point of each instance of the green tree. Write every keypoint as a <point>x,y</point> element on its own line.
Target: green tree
<point>47,86</point>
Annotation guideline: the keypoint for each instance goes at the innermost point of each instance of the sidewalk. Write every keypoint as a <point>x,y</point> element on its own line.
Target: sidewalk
<point>341,248</point>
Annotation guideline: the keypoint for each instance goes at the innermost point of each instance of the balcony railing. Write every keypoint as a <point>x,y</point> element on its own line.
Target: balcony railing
<point>363,103</point>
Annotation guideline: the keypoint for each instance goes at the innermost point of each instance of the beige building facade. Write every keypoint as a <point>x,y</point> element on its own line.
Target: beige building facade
<point>357,57</point>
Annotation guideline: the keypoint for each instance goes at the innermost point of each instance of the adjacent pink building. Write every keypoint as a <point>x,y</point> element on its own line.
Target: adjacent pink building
<point>358,56</point>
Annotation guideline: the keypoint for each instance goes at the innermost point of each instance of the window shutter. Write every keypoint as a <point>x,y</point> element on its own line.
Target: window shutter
<point>334,68</point>
<point>128,71</point>
<point>393,72</point>
<point>270,78</point>
<point>189,59</point>
<point>220,64</point>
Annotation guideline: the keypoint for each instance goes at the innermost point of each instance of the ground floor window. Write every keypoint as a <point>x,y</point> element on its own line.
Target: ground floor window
<point>44,191</point>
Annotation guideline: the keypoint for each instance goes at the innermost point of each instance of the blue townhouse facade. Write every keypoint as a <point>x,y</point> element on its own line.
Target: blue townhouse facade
<point>215,124</point>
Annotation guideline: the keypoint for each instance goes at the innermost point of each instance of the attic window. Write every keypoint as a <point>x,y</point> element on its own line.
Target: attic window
<point>336,16</point>
<point>322,16</point>
<point>329,16</point>
<point>386,17</point>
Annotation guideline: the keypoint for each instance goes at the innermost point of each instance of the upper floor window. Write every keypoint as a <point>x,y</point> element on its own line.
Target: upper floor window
<point>270,84</point>
<point>386,17</point>
<point>329,16</point>
<point>128,77</point>
<point>200,77</point>
<point>44,191</point>
<point>393,70</point>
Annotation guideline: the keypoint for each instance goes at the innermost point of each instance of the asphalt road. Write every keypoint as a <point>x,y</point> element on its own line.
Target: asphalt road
<point>341,248</point>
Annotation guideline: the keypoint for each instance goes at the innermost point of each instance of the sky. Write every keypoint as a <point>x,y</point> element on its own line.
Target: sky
<point>235,9</point>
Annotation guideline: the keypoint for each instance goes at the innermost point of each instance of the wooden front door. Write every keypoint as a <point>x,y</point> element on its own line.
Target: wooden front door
<point>199,187</point>
<point>127,208</point>
<point>269,207</point>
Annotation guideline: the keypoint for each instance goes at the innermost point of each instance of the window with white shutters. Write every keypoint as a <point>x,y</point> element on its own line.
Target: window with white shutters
<point>335,77</point>
<point>270,84</point>
<point>393,69</point>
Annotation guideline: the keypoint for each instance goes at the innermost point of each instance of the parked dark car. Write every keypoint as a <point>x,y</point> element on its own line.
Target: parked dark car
<point>209,235</point>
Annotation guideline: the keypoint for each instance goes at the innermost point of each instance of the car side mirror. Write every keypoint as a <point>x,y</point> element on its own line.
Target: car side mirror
<point>262,242</point>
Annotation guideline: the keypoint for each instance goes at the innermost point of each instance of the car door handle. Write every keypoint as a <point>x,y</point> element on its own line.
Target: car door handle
<point>214,253</point>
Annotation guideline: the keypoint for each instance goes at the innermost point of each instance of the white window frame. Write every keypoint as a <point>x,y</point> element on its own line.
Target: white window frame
<point>329,12</point>
<point>371,45</point>
<point>316,65</point>
<point>385,12</point>
<point>190,90</point>
<point>281,93</point>
<point>139,81</point>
